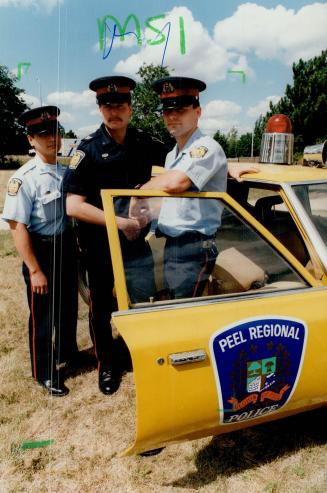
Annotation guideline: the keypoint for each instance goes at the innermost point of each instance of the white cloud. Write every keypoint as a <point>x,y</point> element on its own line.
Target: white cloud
<point>262,107</point>
<point>129,41</point>
<point>203,57</point>
<point>66,117</point>
<point>47,5</point>
<point>276,33</point>
<point>31,101</point>
<point>84,99</point>
<point>218,108</point>
<point>219,114</point>
<point>84,131</point>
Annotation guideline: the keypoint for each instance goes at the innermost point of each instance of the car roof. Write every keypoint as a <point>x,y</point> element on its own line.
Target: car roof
<point>276,173</point>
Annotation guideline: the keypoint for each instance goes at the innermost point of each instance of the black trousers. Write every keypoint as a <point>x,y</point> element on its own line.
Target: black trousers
<point>138,264</point>
<point>53,316</point>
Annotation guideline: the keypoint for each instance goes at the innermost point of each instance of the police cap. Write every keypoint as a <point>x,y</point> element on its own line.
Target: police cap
<point>177,92</point>
<point>114,89</point>
<point>40,120</point>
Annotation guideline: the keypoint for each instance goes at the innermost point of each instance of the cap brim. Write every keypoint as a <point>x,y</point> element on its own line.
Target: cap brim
<point>40,128</point>
<point>178,102</point>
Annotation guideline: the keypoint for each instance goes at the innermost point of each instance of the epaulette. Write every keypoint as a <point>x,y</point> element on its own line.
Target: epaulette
<point>27,167</point>
<point>90,137</point>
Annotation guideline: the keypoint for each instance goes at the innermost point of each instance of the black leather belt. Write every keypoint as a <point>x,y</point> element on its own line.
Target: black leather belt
<point>50,238</point>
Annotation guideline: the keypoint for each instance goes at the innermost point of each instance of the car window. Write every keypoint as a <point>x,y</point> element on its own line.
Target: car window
<point>268,207</point>
<point>179,255</point>
<point>314,199</point>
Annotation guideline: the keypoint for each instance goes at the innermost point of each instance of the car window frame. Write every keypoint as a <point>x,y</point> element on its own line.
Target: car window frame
<point>108,197</point>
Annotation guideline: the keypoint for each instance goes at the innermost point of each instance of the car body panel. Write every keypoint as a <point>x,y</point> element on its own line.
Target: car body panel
<point>179,395</point>
<point>181,402</point>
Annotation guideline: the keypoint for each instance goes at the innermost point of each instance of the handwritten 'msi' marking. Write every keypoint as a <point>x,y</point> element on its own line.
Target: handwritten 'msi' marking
<point>110,27</point>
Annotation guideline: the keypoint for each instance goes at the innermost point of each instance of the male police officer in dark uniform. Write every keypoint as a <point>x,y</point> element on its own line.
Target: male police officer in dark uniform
<point>115,156</point>
<point>35,210</point>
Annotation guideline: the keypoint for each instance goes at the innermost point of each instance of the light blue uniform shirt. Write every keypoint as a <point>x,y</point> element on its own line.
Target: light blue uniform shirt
<point>203,160</point>
<point>35,198</point>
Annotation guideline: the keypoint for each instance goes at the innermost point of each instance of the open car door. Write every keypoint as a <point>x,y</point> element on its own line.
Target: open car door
<point>251,348</point>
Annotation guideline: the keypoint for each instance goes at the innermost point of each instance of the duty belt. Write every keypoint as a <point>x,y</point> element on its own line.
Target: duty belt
<point>192,235</point>
<point>50,238</point>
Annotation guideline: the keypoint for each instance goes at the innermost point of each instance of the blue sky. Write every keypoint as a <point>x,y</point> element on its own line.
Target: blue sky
<point>60,41</point>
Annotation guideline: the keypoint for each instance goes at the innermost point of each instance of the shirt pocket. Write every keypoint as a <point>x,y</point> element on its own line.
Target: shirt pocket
<point>50,205</point>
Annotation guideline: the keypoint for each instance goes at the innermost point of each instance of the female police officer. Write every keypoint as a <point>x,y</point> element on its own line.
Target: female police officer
<point>35,210</point>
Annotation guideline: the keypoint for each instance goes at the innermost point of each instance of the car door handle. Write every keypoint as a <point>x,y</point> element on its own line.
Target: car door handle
<point>187,357</point>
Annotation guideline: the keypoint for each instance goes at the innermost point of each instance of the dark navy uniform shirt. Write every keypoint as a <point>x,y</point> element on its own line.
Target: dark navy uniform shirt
<point>101,163</point>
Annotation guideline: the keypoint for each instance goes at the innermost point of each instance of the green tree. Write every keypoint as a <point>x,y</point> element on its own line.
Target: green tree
<point>244,145</point>
<point>13,140</point>
<point>305,101</point>
<point>222,140</point>
<point>146,114</point>
<point>70,135</point>
<point>232,142</point>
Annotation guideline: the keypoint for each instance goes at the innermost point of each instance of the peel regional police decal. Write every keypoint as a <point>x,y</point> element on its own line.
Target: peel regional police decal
<point>257,363</point>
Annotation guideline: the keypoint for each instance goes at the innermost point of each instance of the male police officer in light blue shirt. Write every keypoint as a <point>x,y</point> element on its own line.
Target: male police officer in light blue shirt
<point>35,210</point>
<point>197,163</point>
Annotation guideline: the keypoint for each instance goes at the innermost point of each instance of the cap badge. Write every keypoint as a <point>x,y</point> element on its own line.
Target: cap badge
<point>45,116</point>
<point>112,88</point>
<point>168,87</point>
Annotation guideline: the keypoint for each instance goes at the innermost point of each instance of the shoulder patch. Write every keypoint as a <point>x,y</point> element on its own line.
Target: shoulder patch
<point>198,152</point>
<point>76,159</point>
<point>14,185</point>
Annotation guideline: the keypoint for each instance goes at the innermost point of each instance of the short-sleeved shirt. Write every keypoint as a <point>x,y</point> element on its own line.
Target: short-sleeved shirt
<point>203,161</point>
<point>35,197</point>
<point>100,163</point>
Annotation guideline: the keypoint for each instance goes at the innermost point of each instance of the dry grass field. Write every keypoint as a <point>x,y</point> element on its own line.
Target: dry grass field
<point>88,429</point>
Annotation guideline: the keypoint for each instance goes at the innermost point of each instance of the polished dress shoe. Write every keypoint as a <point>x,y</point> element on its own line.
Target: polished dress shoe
<point>109,379</point>
<point>54,387</point>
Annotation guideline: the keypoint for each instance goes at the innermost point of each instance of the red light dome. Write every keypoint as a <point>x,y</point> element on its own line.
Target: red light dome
<point>280,124</point>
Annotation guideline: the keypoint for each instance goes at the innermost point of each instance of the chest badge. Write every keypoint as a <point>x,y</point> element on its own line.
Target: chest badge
<point>13,186</point>
<point>198,152</point>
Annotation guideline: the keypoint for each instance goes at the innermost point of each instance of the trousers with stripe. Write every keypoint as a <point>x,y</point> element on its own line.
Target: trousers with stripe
<point>188,262</point>
<point>53,316</point>
<point>138,265</point>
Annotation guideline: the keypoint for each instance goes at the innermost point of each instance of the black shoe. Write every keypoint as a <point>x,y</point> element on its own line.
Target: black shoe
<point>154,451</point>
<point>54,387</point>
<point>109,379</point>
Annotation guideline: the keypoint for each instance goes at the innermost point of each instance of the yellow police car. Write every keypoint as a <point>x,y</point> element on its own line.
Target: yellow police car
<point>252,347</point>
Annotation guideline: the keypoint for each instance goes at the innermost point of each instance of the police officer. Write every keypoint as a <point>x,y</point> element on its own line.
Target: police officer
<point>196,163</point>
<point>35,210</point>
<point>115,156</point>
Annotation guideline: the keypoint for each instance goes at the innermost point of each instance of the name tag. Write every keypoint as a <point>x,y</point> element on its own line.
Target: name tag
<point>50,196</point>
